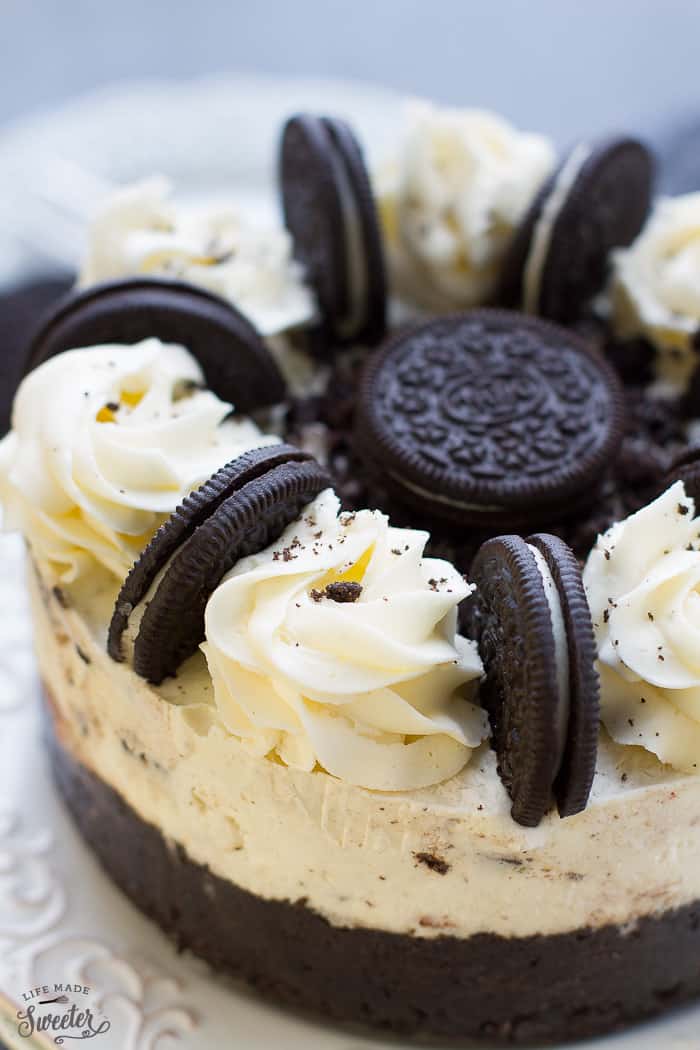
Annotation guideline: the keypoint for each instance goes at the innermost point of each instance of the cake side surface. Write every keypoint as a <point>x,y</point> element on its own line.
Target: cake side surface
<point>589,980</point>
<point>422,863</point>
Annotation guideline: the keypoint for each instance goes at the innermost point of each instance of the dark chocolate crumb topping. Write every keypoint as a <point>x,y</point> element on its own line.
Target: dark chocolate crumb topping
<point>342,591</point>
<point>60,597</point>
<point>433,862</point>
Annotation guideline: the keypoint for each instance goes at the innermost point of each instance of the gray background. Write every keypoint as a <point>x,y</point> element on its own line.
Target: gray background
<point>562,66</point>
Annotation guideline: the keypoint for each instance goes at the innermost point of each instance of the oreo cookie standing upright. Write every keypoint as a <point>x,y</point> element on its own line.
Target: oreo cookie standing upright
<point>236,363</point>
<point>330,212</point>
<point>245,506</point>
<point>541,690</point>
<point>597,199</point>
<point>488,418</point>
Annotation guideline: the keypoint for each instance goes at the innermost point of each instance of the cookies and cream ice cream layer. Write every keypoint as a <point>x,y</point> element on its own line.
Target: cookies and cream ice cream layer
<point>447,859</point>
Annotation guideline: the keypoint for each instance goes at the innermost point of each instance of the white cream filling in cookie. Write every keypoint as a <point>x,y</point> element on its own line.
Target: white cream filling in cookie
<point>542,234</point>
<point>355,249</point>
<point>561,651</point>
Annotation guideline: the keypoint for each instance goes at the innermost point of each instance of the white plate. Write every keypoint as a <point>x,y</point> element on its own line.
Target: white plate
<point>60,917</point>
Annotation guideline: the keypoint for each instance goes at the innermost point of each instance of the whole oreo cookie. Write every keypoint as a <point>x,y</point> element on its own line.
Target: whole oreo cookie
<point>686,468</point>
<point>245,506</point>
<point>330,212</point>
<point>488,418</point>
<point>531,618</point>
<point>236,363</point>
<point>597,199</point>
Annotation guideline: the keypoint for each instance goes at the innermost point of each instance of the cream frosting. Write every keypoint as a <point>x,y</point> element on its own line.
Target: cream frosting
<point>451,200</point>
<point>375,691</point>
<point>141,231</point>
<point>643,585</point>
<point>105,443</point>
<point>655,289</point>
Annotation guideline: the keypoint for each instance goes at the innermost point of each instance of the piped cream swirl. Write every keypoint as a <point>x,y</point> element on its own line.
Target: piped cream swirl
<point>643,585</point>
<point>655,290</point>
<point>375,691</point>
<point>141,231</point>
<point>451,200</point>
<point>105,443</point>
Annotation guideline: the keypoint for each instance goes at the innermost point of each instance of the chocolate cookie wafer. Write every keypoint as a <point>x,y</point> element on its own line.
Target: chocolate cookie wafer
<point>531,618</point>
<point>686,468</point>
<point>597,199</point>
<point>236,363</point>
<point>245,506</point>
<point>489,418</point>
<point>330,212</point>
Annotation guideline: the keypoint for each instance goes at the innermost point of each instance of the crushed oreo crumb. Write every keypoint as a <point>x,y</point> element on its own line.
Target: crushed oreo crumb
<point>83,655</point>
<point>60,597</point>
<point>342,591</point>
<point>432,861</point>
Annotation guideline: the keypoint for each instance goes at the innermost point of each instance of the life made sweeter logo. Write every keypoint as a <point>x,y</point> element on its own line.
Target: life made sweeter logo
<point>62,1012</point>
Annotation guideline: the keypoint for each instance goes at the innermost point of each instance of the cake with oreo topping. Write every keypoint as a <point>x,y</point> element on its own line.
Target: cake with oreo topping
<point>370,657</point>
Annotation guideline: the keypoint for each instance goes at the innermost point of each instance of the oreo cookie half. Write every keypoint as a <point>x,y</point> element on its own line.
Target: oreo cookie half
<point>532,621</point>
<point>330,212</point>
<point>245,506</point>
<point>236,363</point>
<point>597,199</point>
<point>489,418</point>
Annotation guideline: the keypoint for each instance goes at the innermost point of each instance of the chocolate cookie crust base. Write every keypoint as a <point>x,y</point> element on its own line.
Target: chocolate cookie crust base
<point>562,987</point>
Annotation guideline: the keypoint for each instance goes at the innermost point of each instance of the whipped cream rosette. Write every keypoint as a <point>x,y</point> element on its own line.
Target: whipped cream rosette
<point>141,231</point>
<point>451,200</point>
<point>643,584</point>
<point>370,681</point>
<point>655,291</point>
<point>106,442</point>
